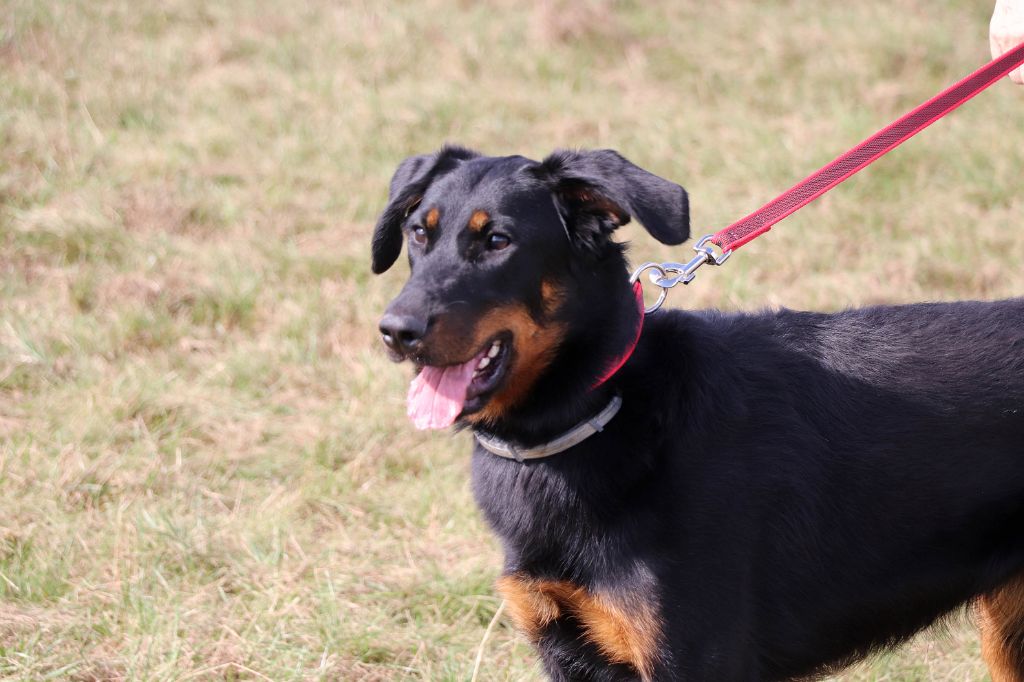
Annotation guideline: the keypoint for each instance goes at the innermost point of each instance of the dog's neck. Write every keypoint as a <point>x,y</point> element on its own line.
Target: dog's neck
<point>565,394</point>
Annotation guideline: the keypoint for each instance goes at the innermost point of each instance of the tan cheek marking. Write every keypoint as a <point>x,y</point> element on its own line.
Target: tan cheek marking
<point>433,216</point>
<point>551,295</point>
<point>534,347</point>
<point>478,220</point>
<point>627,634</point>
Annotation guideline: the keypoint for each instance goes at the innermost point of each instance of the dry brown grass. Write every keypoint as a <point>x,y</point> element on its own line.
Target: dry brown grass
<point>204,463</point>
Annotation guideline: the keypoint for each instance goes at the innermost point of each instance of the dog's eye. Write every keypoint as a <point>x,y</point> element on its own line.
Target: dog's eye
<point>419,235</point>
<point>497,242</point>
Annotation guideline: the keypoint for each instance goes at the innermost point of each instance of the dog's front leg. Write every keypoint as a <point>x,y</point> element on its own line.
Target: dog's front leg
<point>568,657</point>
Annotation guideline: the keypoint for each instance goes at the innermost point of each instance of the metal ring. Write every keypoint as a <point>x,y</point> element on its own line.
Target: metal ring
<point>659,269</point>
<point>665,281</point>
<point>657,304</point>
<point>646,266</point>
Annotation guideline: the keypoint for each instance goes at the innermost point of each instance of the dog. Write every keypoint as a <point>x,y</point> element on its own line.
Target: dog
<point>695,495</point>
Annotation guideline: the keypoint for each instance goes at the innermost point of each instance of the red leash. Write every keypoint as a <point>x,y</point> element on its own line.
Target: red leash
<point>667,275</point>
<point>882,142</point>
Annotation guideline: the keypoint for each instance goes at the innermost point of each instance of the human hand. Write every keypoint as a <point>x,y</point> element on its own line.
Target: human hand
<point>1007,31</point>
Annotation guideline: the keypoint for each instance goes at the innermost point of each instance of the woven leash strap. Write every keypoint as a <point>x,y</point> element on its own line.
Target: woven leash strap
<point>882,142</point>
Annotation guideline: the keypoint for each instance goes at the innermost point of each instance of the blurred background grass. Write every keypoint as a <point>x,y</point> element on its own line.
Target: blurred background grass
<point>205,469</point>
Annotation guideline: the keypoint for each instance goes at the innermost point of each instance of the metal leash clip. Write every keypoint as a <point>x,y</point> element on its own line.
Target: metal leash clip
<point>667,275</point>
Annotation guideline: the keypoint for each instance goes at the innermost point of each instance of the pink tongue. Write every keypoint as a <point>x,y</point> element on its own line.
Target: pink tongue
<point>437,394</point>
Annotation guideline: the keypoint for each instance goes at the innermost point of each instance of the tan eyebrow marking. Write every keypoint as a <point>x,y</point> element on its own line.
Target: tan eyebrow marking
<point>433,216</point>
<point>478,220</point>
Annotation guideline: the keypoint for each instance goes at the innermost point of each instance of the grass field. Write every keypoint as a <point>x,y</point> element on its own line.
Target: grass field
<point>205,467</point>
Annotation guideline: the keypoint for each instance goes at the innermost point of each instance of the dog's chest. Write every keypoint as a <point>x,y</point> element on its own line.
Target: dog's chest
<point>569,582</point>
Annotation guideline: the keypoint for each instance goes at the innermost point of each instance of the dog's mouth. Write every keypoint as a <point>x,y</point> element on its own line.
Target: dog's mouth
<point>440,395</point>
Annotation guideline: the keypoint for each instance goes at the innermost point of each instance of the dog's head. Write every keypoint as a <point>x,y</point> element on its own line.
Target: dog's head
<point>504,254</point>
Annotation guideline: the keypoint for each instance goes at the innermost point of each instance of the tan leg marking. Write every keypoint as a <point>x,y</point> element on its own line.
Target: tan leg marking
<point>1001,621</point>
<point>624,631</point>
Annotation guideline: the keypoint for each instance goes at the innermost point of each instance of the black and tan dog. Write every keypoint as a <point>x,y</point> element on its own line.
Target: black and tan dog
<point>764,496</point>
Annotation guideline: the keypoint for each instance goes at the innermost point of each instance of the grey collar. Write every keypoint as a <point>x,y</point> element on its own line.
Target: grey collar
<point>574,436</point>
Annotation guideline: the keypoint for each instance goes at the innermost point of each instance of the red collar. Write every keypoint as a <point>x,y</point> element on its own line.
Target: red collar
<point>638,290</point>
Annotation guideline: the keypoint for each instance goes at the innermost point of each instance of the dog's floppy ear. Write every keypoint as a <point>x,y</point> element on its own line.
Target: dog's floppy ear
<point>408,185</point>
<point>599,191</point>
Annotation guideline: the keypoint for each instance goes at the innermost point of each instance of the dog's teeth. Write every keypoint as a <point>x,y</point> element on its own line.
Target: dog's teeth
<point>483,363</point>
<point>495,348</point>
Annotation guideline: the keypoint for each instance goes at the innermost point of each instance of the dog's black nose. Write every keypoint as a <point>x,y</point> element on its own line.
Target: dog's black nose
<point>402,333</point>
